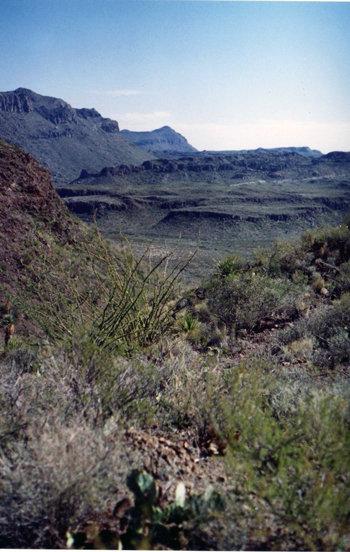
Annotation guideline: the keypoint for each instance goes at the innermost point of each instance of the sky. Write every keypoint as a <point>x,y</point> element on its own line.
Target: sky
<point>228,75</point>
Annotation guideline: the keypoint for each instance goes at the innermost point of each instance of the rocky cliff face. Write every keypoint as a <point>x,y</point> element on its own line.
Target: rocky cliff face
<point>161,141</point>
<point>64,139</point>
<point>16,102</point>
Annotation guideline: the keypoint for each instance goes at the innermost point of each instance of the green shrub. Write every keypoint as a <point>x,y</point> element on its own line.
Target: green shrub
<point>190,327</point>
<point>282,258</point>
<point>244,300</point>
<point>297,464</point>
<point>232,264</point>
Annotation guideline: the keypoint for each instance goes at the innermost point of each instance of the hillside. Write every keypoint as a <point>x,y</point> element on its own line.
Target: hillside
<point>34,227</point>
<point>61,138</point>
<point>161,142</point>
<point>29,204</point>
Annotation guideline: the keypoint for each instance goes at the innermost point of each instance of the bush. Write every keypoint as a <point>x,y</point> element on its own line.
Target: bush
<point>244,300</point>
<point>282,258</point>
<point>296,463</point>
<point>232,264</point>
<point>190,327</point>
<point>328,327</point>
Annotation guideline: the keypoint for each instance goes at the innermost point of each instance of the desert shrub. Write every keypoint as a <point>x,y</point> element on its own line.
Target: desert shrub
<point>331,330</point>
<point>128,389</point>
<point>318,282</point>
<point>296,462</point>
<point>191,391</point>
<point>343,277</point>
<point>189,326</point>
<point>231,264</point>
<point>323,250</point>
<point>302,348</point>
<point>242,301</point>
<point>64,476</point>
<point>282,258</point>
<point>60,460</point>
<point>328,242</point>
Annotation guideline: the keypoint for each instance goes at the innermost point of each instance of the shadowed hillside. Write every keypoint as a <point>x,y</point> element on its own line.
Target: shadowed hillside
<point>29,203</point>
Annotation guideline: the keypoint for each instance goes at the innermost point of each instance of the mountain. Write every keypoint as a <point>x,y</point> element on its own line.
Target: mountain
<point>61,138</point>
<point>160,141</point>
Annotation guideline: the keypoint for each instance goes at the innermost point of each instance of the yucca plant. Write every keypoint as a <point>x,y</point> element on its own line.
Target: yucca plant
<point>190,327</point>
<point>232,264</point>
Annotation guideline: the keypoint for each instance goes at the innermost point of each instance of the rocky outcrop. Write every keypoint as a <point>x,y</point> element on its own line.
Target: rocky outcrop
<point>25,186</point>
<point>16,102</point>
<point>29,207</point>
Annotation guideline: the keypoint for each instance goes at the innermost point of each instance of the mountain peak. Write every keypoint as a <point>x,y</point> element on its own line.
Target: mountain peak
<point>160,141</point>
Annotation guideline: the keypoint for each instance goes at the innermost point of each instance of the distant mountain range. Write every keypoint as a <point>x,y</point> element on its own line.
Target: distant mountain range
<point>160,141</point>
<point>71,142</point>
<point>64,139</point>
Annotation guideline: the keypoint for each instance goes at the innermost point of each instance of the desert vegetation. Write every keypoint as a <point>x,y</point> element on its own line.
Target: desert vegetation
<point>137,412</point>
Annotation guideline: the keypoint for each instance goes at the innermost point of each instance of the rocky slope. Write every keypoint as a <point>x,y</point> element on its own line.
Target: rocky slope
<point>160,142</point>
<point>32,216</point>
<point>61,138</point>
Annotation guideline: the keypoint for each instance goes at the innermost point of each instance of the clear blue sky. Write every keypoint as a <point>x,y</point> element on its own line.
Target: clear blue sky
<point>227,75</point>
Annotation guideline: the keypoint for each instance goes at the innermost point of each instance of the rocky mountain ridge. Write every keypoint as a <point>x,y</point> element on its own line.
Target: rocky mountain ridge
<point>258,163</point>
<point>61,138</point>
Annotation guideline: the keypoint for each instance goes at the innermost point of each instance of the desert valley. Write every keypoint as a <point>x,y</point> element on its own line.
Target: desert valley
<point>175,344</point>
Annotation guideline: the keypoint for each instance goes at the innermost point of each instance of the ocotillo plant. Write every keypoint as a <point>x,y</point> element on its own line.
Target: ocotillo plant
<point>114,300</point>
